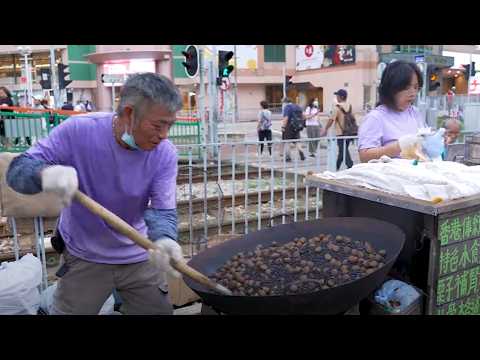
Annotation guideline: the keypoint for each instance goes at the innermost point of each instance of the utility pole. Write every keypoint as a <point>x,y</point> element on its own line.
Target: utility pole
<point>54,79</point>
<point>236,117</point>
<point>26,51</point>
<point>214,99</point>
<point>201,99</point>
<point>113,96</point>
<point>284,74</point>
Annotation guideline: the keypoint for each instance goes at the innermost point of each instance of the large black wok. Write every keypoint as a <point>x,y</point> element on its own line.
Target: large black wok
<point>380,234</point>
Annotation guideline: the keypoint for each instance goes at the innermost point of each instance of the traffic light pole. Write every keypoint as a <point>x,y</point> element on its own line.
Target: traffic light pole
<point>212,97</point>
<point>201,100</point>
<point>113,97</point>
<point>235,119</point>
<point>54,79</point>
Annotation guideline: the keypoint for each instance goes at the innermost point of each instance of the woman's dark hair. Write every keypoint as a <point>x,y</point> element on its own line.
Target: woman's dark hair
<point>395,78</point>
<point>7,92</point>
<point>264,104</point>
<point>310,103</point>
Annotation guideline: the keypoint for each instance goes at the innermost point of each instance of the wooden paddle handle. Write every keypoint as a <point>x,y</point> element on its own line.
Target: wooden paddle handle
<point>126,229</point>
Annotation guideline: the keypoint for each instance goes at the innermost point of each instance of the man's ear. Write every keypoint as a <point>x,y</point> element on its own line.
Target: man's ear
<point>128,111</point>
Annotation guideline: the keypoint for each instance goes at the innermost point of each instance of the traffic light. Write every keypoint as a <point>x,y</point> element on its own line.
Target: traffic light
<point>467,71</point>
<point>433,77</point>
<point>62,74</point>
<point>224,70</point>
<point>191,60</point>
<point>288,81</point>
<point>45,79</point>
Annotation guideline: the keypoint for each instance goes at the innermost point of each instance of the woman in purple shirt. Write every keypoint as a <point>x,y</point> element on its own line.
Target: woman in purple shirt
<point>393,124</point>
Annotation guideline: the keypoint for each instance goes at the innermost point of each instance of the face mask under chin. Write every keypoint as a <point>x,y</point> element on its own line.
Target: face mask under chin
<point>127,137</point>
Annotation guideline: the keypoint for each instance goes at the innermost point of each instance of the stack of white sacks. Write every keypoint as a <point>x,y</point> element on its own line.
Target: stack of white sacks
<point>434,181</point>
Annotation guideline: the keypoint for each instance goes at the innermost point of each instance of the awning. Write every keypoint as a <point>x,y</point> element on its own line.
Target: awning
<point>303,86</point>
<point>102,57</point>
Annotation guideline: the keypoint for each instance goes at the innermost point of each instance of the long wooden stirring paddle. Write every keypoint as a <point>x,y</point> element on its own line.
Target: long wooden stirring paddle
<point>127,230</point>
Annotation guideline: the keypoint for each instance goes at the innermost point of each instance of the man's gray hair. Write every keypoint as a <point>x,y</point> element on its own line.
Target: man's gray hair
<point>146,89</point>
<point>449,121</point>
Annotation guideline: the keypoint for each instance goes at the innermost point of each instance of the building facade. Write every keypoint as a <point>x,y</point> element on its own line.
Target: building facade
<point>316,71</point>
<point>260,75</point>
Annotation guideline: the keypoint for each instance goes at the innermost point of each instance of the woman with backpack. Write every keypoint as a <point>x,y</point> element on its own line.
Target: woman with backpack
<point>392,126</point>
<point>264,126</point>
<point>345,125</point>
<point>314,126</point>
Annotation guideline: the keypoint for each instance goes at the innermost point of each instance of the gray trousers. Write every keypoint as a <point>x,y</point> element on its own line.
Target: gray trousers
<point>85,287</point>
<point>312,133</point>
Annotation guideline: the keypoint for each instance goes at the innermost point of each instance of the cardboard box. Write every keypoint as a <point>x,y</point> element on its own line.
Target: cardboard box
<point>179,293</point>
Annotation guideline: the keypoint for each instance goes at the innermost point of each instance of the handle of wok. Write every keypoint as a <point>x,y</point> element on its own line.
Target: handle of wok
<point>127,230</point>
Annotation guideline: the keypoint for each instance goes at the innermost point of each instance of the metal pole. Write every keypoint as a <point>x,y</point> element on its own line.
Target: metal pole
<point>210,100</point>
<point>27,74</point>
<point>28,88</point>
<point>284,71</point>
<point>215,100</point>
<point>235,119</point>
<point>201,100</point>
<point>468,82</point>
<point>113,97</point>
<point>56,93</point>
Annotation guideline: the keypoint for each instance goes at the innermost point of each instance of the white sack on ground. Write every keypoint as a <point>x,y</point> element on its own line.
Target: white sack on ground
<point>19,281</point>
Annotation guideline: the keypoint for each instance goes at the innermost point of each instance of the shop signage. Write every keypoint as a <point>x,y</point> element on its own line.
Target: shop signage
<point>310,57</point>
<point>456,288</point>
<point>438,60</point>
<point>419,58</point>
<point>113,79</point>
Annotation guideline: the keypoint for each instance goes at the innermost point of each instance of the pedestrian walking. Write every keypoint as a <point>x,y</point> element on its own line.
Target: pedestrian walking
<point>292,124</point>
<point>5,101</point>
<point>264,126</point>
<point>89,106</point>
<point>314,126</point>
<point>341,111</point>
<point>79,107</point>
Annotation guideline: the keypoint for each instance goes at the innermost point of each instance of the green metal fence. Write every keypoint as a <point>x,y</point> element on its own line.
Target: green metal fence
<point>21,130</point>
<point>24,129</point>
<point>186,133</point>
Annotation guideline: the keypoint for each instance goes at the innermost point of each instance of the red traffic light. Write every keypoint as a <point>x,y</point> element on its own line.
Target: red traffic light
<point>191,61</point>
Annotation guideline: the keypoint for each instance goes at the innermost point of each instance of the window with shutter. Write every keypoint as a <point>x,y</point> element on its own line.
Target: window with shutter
<point>274,53</point>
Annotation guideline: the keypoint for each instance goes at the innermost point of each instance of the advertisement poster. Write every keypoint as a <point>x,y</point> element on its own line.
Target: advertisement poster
<point>474,84</point>
<point>320,56</point>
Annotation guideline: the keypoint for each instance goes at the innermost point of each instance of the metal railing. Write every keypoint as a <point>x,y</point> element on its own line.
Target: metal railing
<point>21,130</point>
<point>24,129</point>
<point>235,189</point>
<point>232,189</point>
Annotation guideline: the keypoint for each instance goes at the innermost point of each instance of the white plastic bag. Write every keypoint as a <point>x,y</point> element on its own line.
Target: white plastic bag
<point>19,281</point>
<point>47,301</point>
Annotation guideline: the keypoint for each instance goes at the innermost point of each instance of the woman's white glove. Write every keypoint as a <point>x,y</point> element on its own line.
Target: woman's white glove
<point>60,180</point>
<point>408,142</point>
<point>167,249</point>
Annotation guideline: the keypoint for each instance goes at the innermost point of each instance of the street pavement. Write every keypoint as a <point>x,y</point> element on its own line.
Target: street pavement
<point>249,131</point>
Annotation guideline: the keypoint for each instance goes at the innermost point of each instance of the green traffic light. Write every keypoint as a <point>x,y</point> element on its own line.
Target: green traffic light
<point>227,70</point>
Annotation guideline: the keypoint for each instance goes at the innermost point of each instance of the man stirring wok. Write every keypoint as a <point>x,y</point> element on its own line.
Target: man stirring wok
<point>125,162</point>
